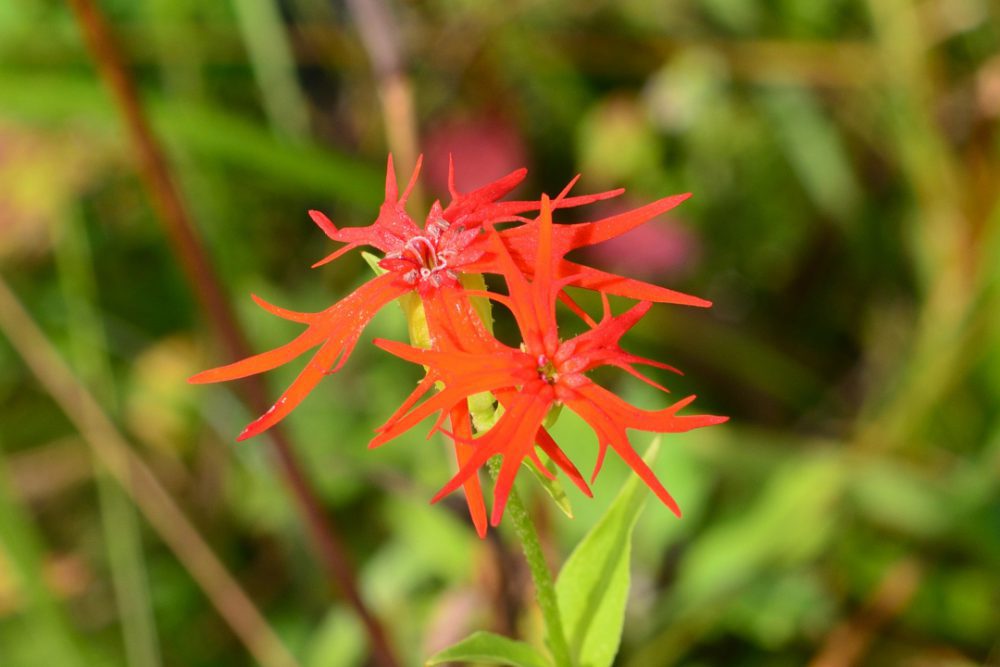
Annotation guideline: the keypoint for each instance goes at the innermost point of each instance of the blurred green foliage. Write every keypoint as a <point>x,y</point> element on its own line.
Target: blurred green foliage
<point>845,161</point>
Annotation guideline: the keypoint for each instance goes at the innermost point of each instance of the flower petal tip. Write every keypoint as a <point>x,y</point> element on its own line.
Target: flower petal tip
<point>380,438</point>
<point>256,427</point>
<point>324,223</point>
<point>204,377</point>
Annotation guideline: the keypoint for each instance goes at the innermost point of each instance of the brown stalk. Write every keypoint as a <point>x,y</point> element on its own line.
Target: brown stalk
<point>381,41</point>
<point>115,454</point>
<point>849,640</point>
<point>188,248</point>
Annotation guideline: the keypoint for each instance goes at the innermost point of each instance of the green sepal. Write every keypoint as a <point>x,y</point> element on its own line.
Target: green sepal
<point>552,486</point>
<point>552,416</point>
<point>482,305</point>
<point>485,411</point>
<point>373,261</point>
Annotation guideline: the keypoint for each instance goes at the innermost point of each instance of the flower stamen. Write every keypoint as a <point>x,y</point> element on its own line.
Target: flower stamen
<point>547,371</point>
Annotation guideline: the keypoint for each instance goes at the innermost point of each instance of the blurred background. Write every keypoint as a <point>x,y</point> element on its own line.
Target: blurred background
<point>845,162</point>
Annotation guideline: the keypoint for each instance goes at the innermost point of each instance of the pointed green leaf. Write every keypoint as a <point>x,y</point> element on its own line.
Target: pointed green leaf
<point>372,261</point>
<point>593,584</point>
<point>488,648</point>
<point>552,485</point>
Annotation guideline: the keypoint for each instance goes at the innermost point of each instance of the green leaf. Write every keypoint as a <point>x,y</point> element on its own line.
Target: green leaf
<point>593,584</point>
<point>491,649</point>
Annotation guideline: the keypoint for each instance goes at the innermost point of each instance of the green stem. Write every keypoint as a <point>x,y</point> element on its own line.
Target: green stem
<point>485,413</point>
<point>545,589</point>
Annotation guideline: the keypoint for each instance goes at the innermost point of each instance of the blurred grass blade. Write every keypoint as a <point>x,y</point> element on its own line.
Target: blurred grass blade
<point>138,480</point>
<point>172,22</point>
<point>122,535</point>
<point>206,132</point>
<point>816,152</point>
<point>127,564</point>
<point>264,35</point>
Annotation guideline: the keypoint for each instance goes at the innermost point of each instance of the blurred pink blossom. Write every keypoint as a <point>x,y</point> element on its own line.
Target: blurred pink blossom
<point>484,149</point>
<point>665,247</point>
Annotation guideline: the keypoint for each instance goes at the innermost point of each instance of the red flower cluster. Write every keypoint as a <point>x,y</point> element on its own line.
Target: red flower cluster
<point>463,357</point>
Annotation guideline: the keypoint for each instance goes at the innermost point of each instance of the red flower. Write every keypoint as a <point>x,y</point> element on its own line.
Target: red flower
<point>545,371</point>
<point>451,242</point>
<point>458,239</point>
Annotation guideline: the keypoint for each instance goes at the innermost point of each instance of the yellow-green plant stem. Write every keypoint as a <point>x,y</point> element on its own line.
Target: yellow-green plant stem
<point>545,589</point>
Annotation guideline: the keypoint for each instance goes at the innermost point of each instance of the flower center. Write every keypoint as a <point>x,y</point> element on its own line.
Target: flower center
<point>429,260</point>
<point>547,370</point>
<point>424,252</point>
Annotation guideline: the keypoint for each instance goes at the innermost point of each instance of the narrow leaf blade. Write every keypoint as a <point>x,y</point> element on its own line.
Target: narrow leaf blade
<point>491,649</point>
<point>593,584</point>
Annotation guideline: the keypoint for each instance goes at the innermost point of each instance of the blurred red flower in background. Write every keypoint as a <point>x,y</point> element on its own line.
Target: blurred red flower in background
<point>486,147</point>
